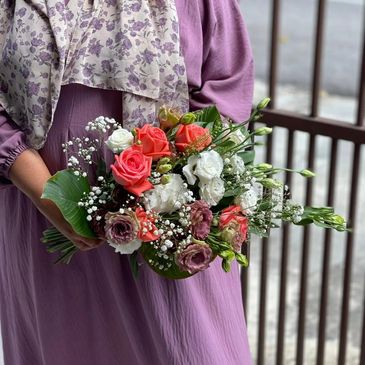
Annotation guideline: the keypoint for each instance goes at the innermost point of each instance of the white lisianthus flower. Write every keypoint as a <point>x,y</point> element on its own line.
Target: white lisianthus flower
<point>237,164</point>
<point>213,191</point>
<point>120,140</point>
<point>188,170</point>
<point>128,248</point>
<point>167,198</point>
<point>247,201</point>
<point>236,136</point>
<point>209,166</point>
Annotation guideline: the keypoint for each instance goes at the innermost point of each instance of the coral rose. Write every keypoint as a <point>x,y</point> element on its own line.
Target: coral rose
<point>132,169</point>
<point>192,136</point>
<point>154,142</point>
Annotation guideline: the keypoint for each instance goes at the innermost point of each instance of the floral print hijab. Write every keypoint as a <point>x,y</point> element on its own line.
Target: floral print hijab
<point>127,45</point>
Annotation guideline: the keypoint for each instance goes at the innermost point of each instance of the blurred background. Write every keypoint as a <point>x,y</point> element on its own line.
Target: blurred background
<point>304,290</point>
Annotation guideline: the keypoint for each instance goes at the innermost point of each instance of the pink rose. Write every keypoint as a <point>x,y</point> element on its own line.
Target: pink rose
<point>154,142</point>
<point>132,169</point>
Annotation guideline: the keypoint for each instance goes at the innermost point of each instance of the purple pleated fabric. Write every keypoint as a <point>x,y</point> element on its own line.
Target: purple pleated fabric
<point>93,312</point>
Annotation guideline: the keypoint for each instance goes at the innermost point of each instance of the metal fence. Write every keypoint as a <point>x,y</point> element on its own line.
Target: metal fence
<point>336,131</point>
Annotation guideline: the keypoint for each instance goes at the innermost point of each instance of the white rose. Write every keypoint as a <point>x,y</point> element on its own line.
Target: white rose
<point>119,140</point>
<point>209,166</point>
<point>129,248</point>
<point>188,170</point>
<point>167,198</point>
<point>213,191</point>
<point>247,201</point>
<point>238,164</point>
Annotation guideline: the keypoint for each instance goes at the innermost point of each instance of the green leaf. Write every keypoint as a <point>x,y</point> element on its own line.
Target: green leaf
<point>209,118</point>
<point>234,192</point>
<point>134,264</point>
<point>226,265</point>
<point>57,242</point>
<point>248,157</point>
<point>154,261</point>
<point>66,189</point>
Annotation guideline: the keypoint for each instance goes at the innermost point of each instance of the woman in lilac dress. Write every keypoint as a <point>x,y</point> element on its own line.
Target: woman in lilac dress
<point>93,312</point>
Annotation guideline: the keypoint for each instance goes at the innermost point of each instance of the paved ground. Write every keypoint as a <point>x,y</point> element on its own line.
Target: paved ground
<point>341,62</point>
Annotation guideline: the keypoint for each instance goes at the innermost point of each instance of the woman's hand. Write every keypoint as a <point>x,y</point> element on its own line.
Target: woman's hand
<point>53,214</point>
<point>30,174</point>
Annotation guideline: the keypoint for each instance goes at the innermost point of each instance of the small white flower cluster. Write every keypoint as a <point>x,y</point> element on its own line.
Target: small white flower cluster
<point>85,147</point>
<point>293,211</point>
<point>101,124</point>
<point>97,196</point>
<point>174,235</point>
<point>155,178</point>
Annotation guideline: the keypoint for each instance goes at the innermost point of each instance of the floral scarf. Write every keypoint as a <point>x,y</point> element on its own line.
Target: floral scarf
<point>127,45</point>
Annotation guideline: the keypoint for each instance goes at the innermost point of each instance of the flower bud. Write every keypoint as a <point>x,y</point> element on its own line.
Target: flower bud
<point>215,222</point>
<point>263,103</point>
<point>163,161</point>
<point>227,255</point>
<point>264,166</point>
<point>188,118</point>
<point>228,235</point>
<point>168,118</point>
<point>271,183</point>
<point>163,169</point>
<point>307,173</point>
<point>263,131</point>
<point>165,179</point>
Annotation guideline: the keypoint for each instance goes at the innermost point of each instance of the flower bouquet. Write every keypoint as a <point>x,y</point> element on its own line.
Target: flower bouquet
<point>180,194</point>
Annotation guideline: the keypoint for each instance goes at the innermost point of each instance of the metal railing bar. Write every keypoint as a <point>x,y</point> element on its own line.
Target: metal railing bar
<point>360,120</point>
<point>362,345</point>
<point>316,82</point>
<point>263,279</point>
<point>244,282</point>
<point>284,261</point>
<point>274,51</point>
<point>326,260</point>
<point>349,256</point>
<point>305,260</point>
<point>320,126</point>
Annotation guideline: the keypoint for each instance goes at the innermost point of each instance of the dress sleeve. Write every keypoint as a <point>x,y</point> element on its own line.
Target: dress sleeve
<point>228,67</point>
<point>12,144</point>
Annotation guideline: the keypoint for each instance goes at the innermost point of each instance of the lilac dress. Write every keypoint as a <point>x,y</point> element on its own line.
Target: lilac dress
<point>93,312</point>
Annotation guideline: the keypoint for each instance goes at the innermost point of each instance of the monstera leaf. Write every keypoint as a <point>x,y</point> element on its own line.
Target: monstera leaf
<point>66,189</point>
<point>154,261</point>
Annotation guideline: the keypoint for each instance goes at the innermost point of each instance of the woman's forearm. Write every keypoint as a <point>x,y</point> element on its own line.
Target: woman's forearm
<point>30,174</point>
